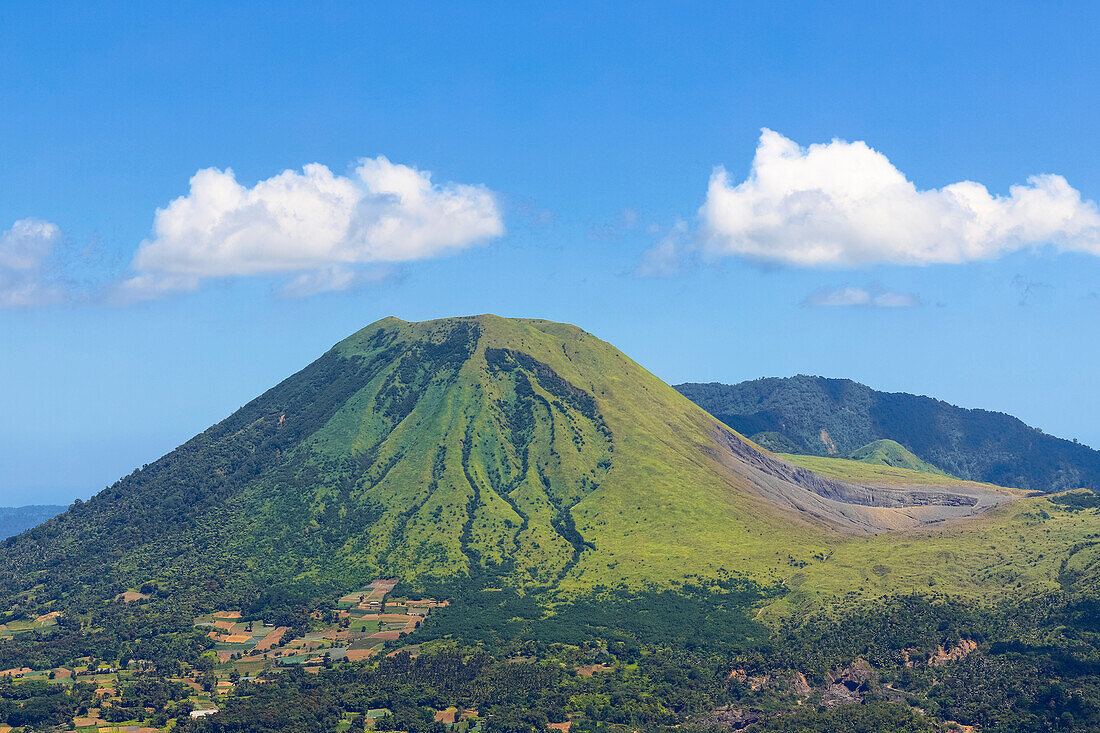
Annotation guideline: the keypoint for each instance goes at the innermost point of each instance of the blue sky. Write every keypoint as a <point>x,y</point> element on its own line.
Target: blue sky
<point>570,150</point>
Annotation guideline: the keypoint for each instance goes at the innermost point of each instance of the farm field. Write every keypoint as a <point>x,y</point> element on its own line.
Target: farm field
<point>40,624</point>
<point>240,650</point>
<point>359,626</point>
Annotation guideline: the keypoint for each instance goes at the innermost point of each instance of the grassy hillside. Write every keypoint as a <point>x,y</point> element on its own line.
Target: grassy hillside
<point>1031,547</point>
<point>818,416</point>
<point>477,448</point>
<point>850,469</point>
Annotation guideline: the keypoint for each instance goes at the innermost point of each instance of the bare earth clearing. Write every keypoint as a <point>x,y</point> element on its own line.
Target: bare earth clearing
<point>845,506</point>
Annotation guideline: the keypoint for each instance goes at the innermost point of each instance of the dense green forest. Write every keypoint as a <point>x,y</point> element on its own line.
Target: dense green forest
<point>691,659</point>
<point>819,416</point>
<point>1035,667</point>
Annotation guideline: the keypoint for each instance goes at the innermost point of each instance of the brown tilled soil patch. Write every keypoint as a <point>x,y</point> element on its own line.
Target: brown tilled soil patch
<point>387,635</point>
<point>591,669</point>
<point>16,672</point>
<point>272,638</point>
<point>379,589</point>
<point>960,727</point>
<point>943,656</point>
<point>226,614</point>
<point>446,716</point>
<point>356,655</point>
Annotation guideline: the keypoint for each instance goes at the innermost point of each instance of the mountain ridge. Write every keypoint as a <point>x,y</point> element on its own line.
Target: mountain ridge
<point>821,416</point>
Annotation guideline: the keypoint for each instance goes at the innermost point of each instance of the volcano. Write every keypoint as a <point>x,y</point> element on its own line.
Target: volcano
<point>526,451</point>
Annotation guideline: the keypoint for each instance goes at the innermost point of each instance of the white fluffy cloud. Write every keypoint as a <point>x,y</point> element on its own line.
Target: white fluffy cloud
<point>25,251</point>
<point>873,297</point>
<point>844,204</point>
<point>312,223</point>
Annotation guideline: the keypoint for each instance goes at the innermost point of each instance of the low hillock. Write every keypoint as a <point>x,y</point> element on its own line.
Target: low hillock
<point>891,453</point>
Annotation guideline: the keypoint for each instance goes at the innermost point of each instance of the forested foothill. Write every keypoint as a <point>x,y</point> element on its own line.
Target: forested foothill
<point>820,416</point>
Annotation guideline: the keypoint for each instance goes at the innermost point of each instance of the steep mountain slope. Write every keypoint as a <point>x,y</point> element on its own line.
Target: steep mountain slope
<point>819,416</point>
<point>525,451</point>
<point>15,519</point>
